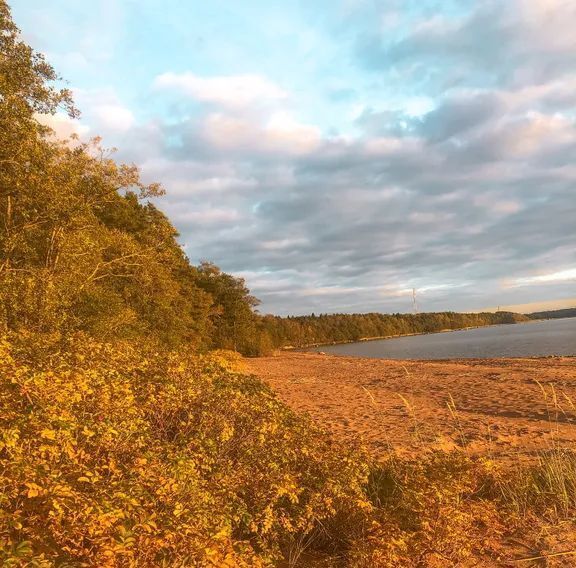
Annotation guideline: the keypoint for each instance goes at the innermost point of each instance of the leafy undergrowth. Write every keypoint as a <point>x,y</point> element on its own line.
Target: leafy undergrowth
<point>113,456</point>
<point>110,457</point>
<point>446,509</point>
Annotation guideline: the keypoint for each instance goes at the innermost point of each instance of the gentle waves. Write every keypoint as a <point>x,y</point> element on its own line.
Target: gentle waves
<point>534,339</point>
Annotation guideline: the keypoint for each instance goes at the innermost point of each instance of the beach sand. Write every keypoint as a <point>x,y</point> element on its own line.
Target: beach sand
<point>501,407</point>
<point>505,409</point>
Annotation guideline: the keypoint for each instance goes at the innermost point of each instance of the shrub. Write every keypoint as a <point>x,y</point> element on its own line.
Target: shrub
<point>112,457</point>
<point>428,512</point>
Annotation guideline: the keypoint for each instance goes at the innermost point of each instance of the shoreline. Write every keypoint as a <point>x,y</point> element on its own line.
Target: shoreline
<point>304,348</point>
<point>464,360</point>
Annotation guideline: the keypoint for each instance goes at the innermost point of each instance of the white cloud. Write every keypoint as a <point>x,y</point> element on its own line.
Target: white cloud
<point>552,277</point>
<point>495,203</point>
<point>284,131</point>
<point>427,218</point>
<point>538,131</point>
<point>114,117</point>
<point>281,133</point>
<point>232,91</point>
<point>206,216</point>
<point>550,23</point>
<point>382,146</point>
<point>62,125</point>
<point>283,244</point>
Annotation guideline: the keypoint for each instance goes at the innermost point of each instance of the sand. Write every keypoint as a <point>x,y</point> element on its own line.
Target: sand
<point>507,408</point>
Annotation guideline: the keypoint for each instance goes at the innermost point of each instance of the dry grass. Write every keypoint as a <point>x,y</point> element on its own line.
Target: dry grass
<point>447,509</point>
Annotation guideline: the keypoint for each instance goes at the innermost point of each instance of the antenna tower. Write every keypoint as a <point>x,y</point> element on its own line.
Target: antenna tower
<point>414,302</point>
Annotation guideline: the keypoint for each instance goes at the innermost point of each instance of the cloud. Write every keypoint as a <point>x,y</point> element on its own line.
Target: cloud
<point>422,145</point>
<point>446,205</point>
<point>107,114</point>
<point>279,133</point>
<point>205,216</point>
<point>114,117</point>
<point>235,91</point>
<point>553,277</point>
<point>62,125</point>
<point>518,42</point>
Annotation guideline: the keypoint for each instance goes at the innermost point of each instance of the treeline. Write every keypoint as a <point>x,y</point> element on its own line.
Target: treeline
<point>82,248</point>
<point>554,314</point>
<point>333,328</point>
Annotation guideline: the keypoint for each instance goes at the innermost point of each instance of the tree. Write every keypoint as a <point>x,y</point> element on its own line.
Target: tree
<point>235,323</point>
<point>80,246</point>
<point>25,91</point>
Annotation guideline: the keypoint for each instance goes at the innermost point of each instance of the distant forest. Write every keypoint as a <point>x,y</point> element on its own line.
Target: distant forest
<point>301,331</point>
<point>554,314</point>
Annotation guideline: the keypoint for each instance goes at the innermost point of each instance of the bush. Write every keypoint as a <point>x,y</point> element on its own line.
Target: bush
<point>429,512</point>
<point>111,457</point>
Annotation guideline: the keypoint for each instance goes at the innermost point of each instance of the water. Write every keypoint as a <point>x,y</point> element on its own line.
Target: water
<point>533,339</point>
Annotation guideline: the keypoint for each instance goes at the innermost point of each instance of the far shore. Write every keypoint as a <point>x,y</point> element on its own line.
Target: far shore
<point>380,338</point>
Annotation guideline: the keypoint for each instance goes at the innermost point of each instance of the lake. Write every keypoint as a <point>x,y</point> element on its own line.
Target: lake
<point>533,339</point>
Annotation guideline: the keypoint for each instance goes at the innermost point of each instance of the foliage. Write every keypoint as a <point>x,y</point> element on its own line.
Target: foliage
<point>554,314</point>
<point>235,323</point>
<point>25,88</point>
<point>114,457</point>
<point>82,247</point>
<point>429,512</point>
<point>446,509</point>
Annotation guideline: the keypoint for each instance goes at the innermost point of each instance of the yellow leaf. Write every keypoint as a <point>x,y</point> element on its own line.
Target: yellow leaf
<point>87,432</point>
<point>33,490</point>
<point>48,434</point>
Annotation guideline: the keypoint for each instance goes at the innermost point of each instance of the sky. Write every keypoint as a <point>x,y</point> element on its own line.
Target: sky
<point>338,154</point>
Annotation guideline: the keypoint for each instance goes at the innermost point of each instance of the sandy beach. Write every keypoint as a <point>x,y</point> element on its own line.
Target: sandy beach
<point>507,408</point>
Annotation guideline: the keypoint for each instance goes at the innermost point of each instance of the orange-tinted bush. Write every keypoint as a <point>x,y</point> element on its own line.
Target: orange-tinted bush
<point>111,457</point>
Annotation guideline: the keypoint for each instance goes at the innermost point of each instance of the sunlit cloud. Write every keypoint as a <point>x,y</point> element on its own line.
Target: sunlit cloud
<point>114,117</point>
<point>280,133</point>
<point>560,276</point>
<point>234,91</point>
<point>63,126</point>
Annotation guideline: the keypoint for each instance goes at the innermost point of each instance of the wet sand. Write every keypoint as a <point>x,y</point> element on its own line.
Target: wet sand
<point>501,407</point>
